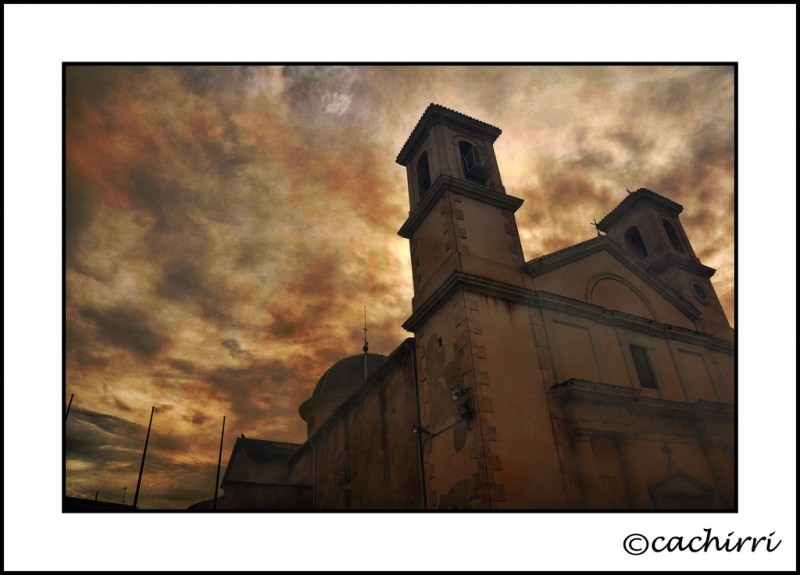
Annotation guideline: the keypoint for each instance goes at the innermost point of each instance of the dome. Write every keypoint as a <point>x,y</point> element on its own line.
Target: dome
<point>348,373</point>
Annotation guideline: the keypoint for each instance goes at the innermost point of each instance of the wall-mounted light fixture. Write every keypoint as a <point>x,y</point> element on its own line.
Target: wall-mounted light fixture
<point>457,393</point>
<point>465,411</point>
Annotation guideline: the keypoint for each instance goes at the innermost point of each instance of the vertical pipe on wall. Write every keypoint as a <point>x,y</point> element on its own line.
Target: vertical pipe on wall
<point>419,426</point>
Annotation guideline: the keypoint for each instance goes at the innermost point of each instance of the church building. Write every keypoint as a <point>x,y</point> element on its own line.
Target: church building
<point>600,376</point>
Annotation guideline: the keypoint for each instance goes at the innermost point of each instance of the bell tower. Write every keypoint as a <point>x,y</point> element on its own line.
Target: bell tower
<point>461,219</point>
<point>479,386</point>
<point>648,227</point>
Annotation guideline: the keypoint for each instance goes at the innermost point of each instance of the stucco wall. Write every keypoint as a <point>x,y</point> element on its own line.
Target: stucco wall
<point>366,456</point>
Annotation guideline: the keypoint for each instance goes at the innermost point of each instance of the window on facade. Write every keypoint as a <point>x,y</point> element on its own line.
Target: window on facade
<point>635,243</point>
<point>643,368</point>
<point>423,174</point>
<point>672,234</point>
<point>473,169</point>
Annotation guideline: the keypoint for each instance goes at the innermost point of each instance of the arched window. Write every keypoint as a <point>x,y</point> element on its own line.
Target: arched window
<point>635,243</point>
<point>672,234</point>
<point>423,174</point>
<point>473,169</point>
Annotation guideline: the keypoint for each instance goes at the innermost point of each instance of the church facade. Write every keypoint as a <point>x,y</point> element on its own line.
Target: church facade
<point>600,376</point>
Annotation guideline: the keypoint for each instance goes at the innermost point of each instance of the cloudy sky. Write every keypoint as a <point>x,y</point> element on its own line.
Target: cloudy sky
<point>225,227</point>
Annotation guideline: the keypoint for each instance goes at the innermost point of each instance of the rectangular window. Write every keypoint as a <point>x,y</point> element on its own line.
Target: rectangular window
<point>643,368</point>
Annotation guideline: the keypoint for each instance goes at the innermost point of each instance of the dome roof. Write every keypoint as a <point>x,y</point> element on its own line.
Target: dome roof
<point>348,373</point>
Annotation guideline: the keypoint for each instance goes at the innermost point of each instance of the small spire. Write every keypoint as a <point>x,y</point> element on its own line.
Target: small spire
<point>366,343</point>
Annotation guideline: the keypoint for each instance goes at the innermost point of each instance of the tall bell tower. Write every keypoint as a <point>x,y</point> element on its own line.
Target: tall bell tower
<point>480,380</point>
<point>461,219</point>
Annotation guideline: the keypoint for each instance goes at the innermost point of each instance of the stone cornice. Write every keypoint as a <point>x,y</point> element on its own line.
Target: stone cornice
<point>435,111</point>
<point>471,283</point>
<point>624,320</point>
<point>579,251</point>
<point>555,302</point>
<point>461,187</point>
<point>594,390</point>
<point>674,260</point>
<point>594,407</point>
<point>705,407</point>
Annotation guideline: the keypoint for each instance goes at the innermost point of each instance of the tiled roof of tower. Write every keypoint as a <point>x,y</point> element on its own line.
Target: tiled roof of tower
<point>446,112</point>
<point>633,198</point>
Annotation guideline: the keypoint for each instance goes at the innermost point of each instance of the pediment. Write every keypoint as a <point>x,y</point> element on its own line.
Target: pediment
<point>599,272</point>
<point>681,492</point>
<point>680,482</point>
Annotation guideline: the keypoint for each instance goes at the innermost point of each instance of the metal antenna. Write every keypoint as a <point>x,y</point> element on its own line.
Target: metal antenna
<point>144,454</point>
<point>66,415</point>
<point>219,462</point>
<point>366,343</point>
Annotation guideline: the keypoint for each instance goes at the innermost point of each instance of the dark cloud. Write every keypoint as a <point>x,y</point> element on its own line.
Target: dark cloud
<point>198,418</point>
<point>106,423</point>
<point>235,349</point>
<point>168,203</point>
<point>81,347</point>
<point>681,92</point>
<point>185,281</point>
<point>122,405</point>
<point>207,80</point>
<point>182,279</point>
<point>285,323</point>
<point>181,365</point>
<point>88,87</point>
<point>79,211</point>
<point>326,93</point>
<point>127,328</point>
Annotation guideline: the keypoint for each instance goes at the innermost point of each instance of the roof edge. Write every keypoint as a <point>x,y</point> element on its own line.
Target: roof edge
<point>634,199</point>
<point>431,112</point>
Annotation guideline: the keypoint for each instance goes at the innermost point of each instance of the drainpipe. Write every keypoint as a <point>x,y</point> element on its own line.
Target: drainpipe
<point>419,426</point>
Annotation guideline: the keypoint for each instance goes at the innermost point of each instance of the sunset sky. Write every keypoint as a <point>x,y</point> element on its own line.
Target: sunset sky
<point>225,227</point>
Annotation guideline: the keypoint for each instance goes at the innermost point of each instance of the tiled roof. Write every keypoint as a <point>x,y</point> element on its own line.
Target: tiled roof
<point>531,264</point>
<point>433,109</point>
<point>639,195</point>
